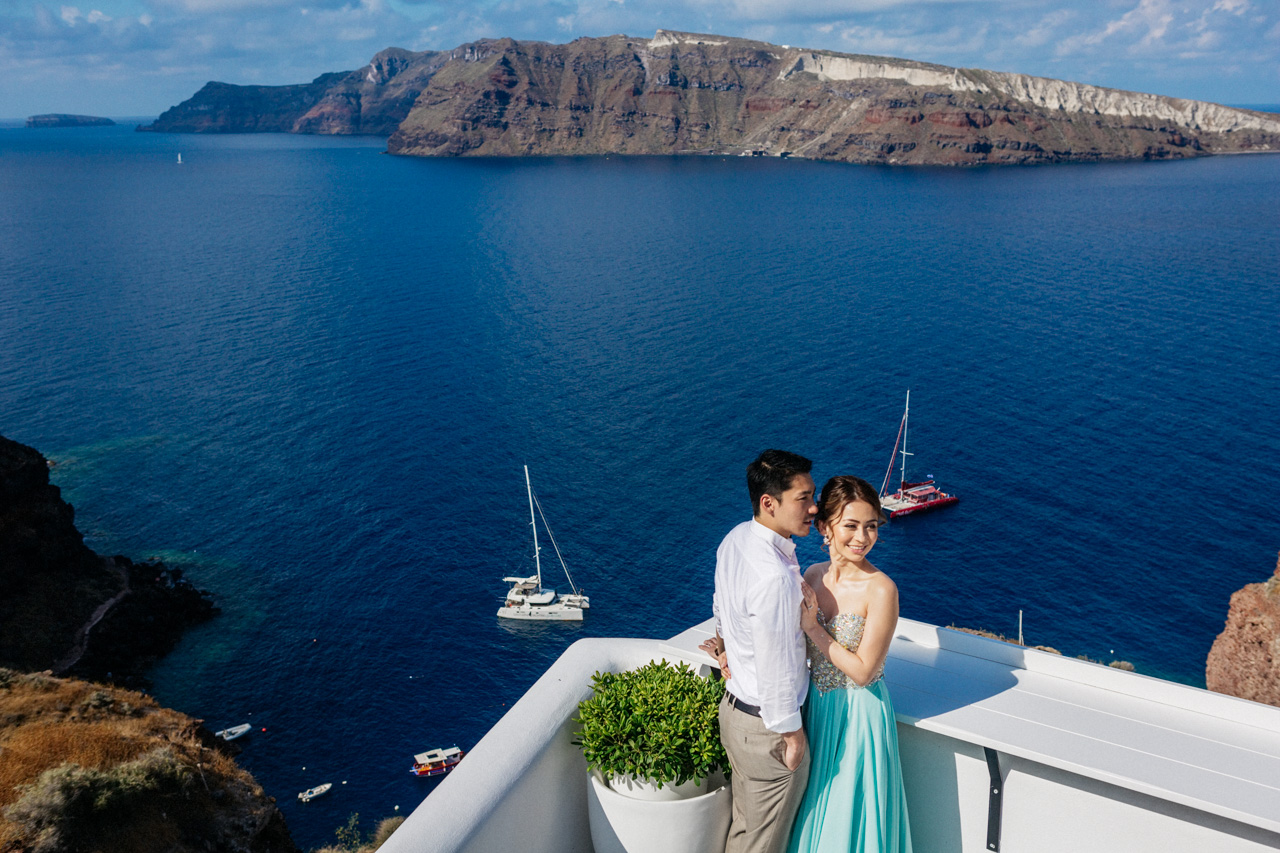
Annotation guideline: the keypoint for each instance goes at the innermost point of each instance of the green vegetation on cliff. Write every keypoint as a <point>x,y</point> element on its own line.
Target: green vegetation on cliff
<point>90,767</point>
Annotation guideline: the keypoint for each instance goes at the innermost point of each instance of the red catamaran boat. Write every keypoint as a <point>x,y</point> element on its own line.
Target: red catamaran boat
<point>910,498</point>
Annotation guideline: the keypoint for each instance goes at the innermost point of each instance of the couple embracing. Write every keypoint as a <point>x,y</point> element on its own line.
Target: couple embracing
<point>806,719</point>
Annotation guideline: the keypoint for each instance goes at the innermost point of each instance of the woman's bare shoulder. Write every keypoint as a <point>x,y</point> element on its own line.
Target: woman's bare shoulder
<point>815,572</point>
<point>883,585</point>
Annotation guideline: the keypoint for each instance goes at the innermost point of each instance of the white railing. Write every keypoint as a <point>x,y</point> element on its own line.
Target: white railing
<point>1088,758</point>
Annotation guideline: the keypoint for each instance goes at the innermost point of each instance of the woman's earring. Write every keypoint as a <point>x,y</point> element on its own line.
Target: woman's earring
<point>826,540</point>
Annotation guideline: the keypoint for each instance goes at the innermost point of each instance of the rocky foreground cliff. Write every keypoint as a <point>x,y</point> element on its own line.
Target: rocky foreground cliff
<point>84,767</point>
<point>87,766</point>
<point>67,609</point>
<point>1245,658</point>
<point>683,93</point>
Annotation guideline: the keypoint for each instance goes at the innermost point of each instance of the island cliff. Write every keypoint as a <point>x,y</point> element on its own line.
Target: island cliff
<point>1245,658</point>
<point>686,93</point>
<point>65,120</point>
<point>373,100</point>
<point>683,93</point>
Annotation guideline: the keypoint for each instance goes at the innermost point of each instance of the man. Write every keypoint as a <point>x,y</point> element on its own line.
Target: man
<point>762,651</point>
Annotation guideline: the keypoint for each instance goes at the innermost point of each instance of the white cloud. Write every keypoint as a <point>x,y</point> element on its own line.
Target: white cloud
<point>783,11</point>
<point>949,45</point>
<point>1044,30</point>
<point>150,54</point>
<point>1150,20</point>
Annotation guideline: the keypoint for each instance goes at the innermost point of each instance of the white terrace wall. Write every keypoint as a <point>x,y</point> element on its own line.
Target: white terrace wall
<point>1046,810</point>
<point>523,787</point>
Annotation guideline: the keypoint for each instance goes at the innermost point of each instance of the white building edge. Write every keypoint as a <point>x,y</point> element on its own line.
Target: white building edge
<point>1088,758</point>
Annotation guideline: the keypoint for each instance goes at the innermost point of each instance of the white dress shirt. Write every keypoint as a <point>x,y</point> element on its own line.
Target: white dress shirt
<point>757,607</point>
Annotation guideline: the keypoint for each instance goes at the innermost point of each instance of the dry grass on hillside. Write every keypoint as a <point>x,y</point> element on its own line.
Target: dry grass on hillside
<point>81,762</point>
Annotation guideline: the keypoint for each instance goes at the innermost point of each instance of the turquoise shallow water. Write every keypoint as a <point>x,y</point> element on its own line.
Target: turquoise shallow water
<point>310,373</point>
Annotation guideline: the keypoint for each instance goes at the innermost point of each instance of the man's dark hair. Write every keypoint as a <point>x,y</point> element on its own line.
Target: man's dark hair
<point>772,473</point>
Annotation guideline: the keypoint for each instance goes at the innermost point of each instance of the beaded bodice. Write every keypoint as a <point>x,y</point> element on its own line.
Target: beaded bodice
<point>846,629</point>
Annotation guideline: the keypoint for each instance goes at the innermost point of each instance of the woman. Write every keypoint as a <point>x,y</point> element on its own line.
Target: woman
<point>855,800</point>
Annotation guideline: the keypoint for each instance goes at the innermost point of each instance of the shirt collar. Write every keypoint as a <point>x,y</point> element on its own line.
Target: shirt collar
<point>783,543</point>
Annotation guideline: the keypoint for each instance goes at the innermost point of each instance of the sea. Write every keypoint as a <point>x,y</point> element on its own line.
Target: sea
<point>309,374</point>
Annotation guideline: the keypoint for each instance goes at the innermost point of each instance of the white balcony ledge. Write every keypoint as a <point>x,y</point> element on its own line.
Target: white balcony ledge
<point>1091,758</point>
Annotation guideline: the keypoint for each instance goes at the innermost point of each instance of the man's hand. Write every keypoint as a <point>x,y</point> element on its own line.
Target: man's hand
<point>715,647</point>
<point>796,744</point>
<point>808,608</point>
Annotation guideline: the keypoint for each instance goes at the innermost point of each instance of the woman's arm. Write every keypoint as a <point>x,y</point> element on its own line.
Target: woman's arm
<point>882,619</point>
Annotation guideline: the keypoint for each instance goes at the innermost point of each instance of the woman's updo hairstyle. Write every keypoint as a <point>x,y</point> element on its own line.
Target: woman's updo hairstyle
<point>841,491</point>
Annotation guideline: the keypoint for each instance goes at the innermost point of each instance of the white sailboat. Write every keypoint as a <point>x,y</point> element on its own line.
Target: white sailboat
<point>179,158</point>
<point>527,598</point>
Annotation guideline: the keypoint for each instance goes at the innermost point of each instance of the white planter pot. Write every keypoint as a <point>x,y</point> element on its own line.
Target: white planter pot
<point>624,824</point>
<point>645,789</point>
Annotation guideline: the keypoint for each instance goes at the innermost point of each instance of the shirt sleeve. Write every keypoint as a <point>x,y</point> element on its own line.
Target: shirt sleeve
<point>715,611</point>
<point>775,621</point>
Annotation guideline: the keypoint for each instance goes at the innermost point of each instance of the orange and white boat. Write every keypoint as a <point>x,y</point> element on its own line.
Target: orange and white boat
<point>436,762</point>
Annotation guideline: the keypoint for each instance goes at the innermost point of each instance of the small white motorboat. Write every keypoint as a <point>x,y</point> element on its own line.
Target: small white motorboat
<point>233,732</point>
<point>311,793</point>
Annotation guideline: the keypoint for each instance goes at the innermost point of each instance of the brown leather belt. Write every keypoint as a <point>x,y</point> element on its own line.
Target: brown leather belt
<point>753,710</point>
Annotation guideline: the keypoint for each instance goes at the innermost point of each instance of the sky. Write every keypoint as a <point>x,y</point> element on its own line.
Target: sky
<point>139,57</point>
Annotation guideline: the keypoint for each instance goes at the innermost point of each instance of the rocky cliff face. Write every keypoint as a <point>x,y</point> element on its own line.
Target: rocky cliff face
<point>1245,658</point>
<point>65,608</point>
<point>687,93</point>
<point>682,93</point>
<point>90,767</point>
<point>372,100</point>
<point>50,582</point>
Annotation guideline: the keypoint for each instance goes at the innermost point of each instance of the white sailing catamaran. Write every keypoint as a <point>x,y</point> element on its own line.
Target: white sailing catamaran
<point>527,598</point>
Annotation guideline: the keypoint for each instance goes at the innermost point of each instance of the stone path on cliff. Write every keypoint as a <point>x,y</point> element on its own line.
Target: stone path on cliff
<point>77,650</point>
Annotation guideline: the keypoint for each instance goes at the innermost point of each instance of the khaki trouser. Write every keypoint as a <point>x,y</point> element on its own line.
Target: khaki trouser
<point>765,793</point>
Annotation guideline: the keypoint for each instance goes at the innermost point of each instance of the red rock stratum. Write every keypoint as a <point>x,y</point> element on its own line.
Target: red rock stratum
<point>1245,659</point>
<point>684,93</point>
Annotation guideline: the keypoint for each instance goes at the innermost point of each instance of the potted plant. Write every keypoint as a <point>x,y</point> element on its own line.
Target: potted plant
<point>651,738</point>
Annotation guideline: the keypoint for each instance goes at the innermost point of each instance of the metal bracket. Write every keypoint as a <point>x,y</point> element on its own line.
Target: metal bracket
<point>995,799</point>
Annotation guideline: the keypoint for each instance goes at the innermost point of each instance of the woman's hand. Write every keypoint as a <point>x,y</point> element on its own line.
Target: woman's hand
<point>808,608</point>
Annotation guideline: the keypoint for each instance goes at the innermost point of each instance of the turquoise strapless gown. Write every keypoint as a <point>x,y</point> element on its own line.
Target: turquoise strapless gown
<point>855,802</point>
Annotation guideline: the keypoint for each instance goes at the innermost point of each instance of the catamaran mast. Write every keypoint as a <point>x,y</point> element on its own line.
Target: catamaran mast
<point>905,454</point>
<point>534,524</point>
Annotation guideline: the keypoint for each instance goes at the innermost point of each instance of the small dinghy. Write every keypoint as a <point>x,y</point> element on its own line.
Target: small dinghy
<point>233,732</point>
<point>311,793</point>
<point>435,762</point>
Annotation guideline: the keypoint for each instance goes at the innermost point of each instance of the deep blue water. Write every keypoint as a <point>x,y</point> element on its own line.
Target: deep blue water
<point>309,373</point>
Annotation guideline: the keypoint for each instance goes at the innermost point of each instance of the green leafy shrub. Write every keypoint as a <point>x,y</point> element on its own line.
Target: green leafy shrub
<point>70,806</point>
<point>658,722</point>
<point>350,839</point>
